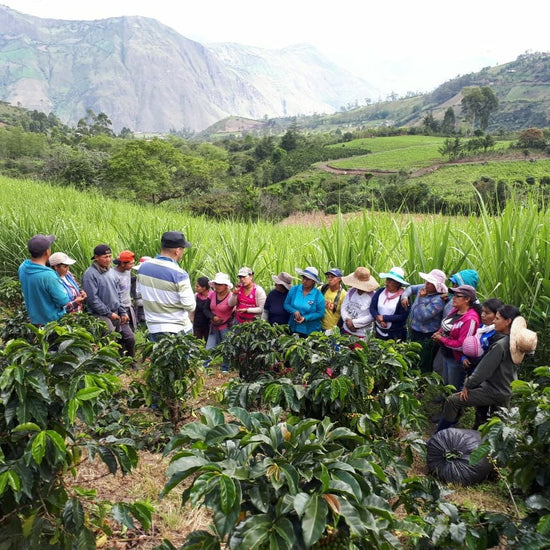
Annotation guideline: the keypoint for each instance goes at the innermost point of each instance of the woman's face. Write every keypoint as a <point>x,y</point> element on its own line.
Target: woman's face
<point>220,288</point>
<point>430,288</point>
<point>307,284</point>
<point>487,316</point>
<point>392,286</point>
<point>61,269</point>
<point>502,324</point>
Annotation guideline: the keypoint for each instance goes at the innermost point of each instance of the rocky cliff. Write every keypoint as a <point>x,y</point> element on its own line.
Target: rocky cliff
<point>147,77</point>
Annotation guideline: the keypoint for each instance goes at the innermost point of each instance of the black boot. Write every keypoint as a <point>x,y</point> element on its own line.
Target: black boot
<point>444,424</point>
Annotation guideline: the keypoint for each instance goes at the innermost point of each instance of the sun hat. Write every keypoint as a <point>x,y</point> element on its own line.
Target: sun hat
<point>58,258</point>
<point>471,346</point>
<point>101,250</point>
<point>465,290</point>
<point>174,239</point>
<point>141,260</point>
<point>334,271</point>
<point>361,279</point>
<point>222,279</point>
<point>38,244</point>
<point>522,340</point>
<point>396,274</point>
<point>309,273</point>
<point>245,272</point>
<point>283,279</point>
<point>437,278</point>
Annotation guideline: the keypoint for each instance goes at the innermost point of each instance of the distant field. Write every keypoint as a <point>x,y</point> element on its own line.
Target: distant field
<point>397,153</point>
<point>450,178</point>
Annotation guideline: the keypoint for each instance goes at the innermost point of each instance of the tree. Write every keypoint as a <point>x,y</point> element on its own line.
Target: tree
<point>431,125</point>
<point>532,137</point>
<point>449,122</point>
<point>156,171</point>
<point>451,148</point>
<point>94,125</point>
<point>478,102</point>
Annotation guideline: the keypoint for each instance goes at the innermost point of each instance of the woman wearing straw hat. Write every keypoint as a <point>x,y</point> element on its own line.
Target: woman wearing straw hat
<point>389,314</point>
<point>305,303</point>
<point>355,312</point>
<point>426,313</point>
<point>490,383</point>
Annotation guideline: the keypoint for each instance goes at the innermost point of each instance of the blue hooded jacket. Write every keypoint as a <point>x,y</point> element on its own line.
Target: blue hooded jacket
<point>45,296</point>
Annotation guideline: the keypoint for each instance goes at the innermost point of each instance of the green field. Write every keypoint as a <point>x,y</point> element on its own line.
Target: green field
<point>397,153</point>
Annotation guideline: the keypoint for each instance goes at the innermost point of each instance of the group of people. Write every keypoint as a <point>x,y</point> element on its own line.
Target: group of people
<point>474,346</point>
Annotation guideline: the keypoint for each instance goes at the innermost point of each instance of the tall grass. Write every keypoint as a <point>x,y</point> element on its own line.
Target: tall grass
<point>510,251</point>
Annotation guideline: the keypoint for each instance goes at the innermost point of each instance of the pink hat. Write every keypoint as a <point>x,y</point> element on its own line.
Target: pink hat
<point>437,278</point>
<point>471,346</point>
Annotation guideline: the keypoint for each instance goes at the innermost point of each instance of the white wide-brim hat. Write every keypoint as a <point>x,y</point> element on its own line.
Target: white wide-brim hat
<point>437,278</point>
<point>222,279</point>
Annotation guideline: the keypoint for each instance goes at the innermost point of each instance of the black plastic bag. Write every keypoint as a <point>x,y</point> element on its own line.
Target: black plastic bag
<point>448,456</point>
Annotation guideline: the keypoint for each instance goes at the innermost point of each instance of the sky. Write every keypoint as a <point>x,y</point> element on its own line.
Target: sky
<point>397,46</point>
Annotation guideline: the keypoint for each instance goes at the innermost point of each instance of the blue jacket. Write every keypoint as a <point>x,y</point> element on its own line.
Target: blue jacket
<point>45,297</point>
<point>311,307</point>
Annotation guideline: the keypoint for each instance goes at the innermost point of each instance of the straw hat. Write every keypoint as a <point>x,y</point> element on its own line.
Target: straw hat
<point>361,279</point>
<point>437,278</point>
<point>395,273</point>
<point>222,279</point>
<point>283,279</point>
<point>310,273</point>
<point>522,340</point>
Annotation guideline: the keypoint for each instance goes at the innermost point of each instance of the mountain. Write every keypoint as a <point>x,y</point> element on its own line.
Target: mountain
<point>148,78</point>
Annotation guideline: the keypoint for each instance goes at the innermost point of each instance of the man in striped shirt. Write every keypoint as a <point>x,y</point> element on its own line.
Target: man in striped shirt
<point>165,288</point>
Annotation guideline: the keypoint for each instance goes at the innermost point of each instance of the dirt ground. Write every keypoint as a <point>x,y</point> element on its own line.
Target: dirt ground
<point>171,520</point>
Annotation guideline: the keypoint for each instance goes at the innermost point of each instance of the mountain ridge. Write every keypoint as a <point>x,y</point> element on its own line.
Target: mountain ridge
<point>149,78</point>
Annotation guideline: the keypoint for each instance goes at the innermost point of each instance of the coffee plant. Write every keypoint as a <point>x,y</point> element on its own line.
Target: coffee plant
<point>49,388</point>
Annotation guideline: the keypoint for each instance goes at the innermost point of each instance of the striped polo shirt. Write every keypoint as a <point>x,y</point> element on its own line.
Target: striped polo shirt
<point>167,295</point>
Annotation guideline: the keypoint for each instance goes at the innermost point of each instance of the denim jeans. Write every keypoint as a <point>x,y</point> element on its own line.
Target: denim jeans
<point>453,372</point>
<point>214,338</point>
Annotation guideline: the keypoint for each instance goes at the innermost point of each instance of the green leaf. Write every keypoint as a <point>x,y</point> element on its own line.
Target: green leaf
<point>543,526</point>
<point>72,409</point>
<point>228,493</point>
<point>58,442</point>
<point>86,394</point>
<point>73,515</point>
<point>122,512</point>
<point>86,540</point>
<point>142,511</point>
<point>38,447</point>
<point>292,477</point>
<point>9,478</point>
<point>27,427</point>
<point>212,416</point>
<point>314,519</point>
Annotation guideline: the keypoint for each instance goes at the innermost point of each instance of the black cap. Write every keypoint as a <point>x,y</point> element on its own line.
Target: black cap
<point>174,239</point>
<point>39,244</point>
<point>101,249</point>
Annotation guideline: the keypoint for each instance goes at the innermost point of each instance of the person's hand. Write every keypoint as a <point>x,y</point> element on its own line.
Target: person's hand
<point>381,322</point>
<point>114,317</point>
<point>405,303</point>
<point>463,395</point>
<point>329,305</point>
<point>216,320</point>
<point>83,295</point>
<point>298,317</point>
<point>349,324</point>
<point>242,309</point>
<point>124,319</point>
<point>466,363</point>
<point>436,336</point>
<point>422,291</point>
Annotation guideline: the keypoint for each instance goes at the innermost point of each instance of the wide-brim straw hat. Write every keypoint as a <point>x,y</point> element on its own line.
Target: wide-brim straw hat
<point>222,279</point>
<point>395,273</point>
<point>437,278</point>
<point>310,273</point>
<point>522,340</point>
<point>283,279</point>
<point>361,279</point>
